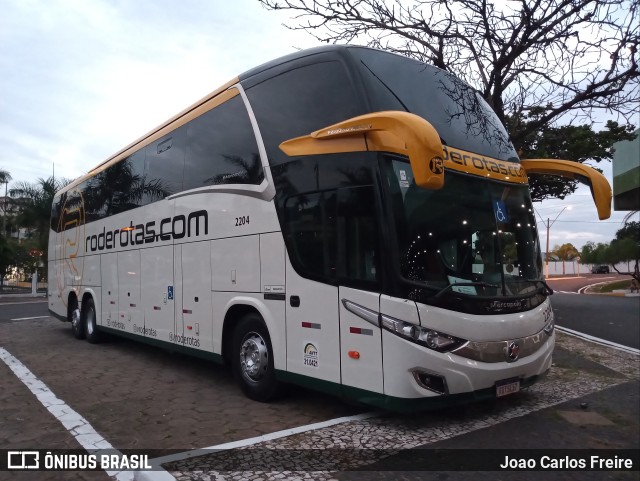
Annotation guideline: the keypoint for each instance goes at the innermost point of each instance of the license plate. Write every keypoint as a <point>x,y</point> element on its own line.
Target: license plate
<point>509,386</point>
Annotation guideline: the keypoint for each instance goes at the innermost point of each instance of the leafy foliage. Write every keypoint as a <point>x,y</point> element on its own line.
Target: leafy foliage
<point>34,201</point>
<point>579,143</point>
<point>624,248</point>
<point>565,252</point>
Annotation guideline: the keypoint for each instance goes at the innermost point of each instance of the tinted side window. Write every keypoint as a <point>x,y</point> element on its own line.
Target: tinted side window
<point>71,213</point>
<point>311,228</point>
<point>300,101</point>
<point>56,210</point>
<point>118,188</point>
<point>222,148</point>
<point>358,234</point>
<point>165,163</point>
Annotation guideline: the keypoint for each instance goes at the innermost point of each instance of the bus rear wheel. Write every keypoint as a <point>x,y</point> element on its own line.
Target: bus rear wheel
<point>89,321</point>
<point>252,359</point>
<point>73,314</point>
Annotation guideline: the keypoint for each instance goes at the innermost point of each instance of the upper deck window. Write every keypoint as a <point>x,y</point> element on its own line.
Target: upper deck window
<point>300,101</point>
<point>221,148</point>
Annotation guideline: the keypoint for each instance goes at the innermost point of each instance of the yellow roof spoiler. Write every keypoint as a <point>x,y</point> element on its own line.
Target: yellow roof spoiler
<point>600,188</point>
<point>391,131</point>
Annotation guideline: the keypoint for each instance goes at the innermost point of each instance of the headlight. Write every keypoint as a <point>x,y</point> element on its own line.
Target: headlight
<point>438,341</point>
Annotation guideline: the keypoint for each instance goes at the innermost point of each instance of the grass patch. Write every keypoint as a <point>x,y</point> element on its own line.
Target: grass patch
<point>614,286</point>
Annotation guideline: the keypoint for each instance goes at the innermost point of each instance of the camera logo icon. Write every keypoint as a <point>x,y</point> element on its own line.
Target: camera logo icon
<point>23,460</point>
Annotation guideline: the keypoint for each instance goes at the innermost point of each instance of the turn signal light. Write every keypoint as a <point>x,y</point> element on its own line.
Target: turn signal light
<point>354,354</point>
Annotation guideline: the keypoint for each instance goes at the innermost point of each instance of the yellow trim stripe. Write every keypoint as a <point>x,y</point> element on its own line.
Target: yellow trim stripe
<point>205,104</point>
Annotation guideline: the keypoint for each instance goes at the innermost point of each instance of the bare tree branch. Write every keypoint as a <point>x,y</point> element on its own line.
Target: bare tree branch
<point>567,55</point>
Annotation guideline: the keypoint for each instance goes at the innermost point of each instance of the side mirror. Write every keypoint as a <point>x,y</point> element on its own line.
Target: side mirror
<point>391,131</point>
<point>600,188</point>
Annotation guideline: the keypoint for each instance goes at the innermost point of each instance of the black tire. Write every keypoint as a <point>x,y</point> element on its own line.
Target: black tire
<point>89,321</point>
<point>252,359</point>
<point>74,316</point>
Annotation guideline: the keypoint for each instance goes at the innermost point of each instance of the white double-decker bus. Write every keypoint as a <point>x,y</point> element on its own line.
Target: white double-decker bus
<point>342,218</point>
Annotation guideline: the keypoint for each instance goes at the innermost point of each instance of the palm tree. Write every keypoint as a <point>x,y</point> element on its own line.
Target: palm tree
<point>5,178</point>
<point>34,206</point>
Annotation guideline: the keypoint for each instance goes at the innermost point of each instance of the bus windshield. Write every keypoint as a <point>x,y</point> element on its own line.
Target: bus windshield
<point>459,114</point>
<point>473,237</point>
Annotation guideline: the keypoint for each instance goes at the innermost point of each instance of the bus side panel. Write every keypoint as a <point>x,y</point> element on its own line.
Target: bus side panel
<point>129,291</point>
<point>91,272</point>
<point>364,369</point>
<point>53,290</point>
<point>109,270</point>
<point>272,268</point>
<point>235,264</point>
<point>195,286</point>
<point>157,286</point>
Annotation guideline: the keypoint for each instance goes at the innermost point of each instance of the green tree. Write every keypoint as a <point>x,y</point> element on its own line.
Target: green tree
<point>626,247</point>
<point>5,178</point>
<point>579,143</point>
<point>34,207</point>
<point>592,253</point>
<point>539,65</point>
<point>565,252</point>
<point>7,254</point>
<point>631,230</point>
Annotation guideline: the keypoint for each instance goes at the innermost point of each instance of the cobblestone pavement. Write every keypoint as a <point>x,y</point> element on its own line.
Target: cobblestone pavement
<point>581,368</point>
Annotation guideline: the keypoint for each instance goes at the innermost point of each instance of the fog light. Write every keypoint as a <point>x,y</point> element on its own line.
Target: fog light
<point>432,382</point>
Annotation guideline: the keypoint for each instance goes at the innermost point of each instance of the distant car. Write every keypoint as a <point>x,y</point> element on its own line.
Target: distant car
<point>600,270</point>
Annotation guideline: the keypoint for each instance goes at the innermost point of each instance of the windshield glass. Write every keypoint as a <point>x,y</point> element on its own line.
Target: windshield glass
<point>474,236</point>
<point>459,114</point>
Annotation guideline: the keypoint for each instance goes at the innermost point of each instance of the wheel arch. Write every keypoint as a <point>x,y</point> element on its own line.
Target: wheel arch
<point>72,300</point>
<point>238,307</point>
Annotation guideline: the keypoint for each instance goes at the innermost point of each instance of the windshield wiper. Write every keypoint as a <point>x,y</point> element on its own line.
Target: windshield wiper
<point>543,289</point>
<point>441,292</point>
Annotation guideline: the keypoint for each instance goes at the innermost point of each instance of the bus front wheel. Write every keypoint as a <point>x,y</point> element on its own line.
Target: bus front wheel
<point>252,361</point>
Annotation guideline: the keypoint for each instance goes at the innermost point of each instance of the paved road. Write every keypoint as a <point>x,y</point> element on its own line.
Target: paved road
<point>16,308</point>
<point>574,283</point>
<point>616,319</point>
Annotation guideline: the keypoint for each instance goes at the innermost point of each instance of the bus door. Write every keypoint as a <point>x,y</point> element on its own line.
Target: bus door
<point>312,328</point>
<point>193,290</point>
<point>358,257</point>
<point>312,313</point>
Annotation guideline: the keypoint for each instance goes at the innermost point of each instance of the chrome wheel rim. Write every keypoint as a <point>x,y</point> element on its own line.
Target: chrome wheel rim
<point>254,357</point>
<point>75,318</point>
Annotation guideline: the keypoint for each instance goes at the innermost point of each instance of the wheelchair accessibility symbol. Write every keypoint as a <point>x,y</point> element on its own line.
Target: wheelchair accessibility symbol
<point>500,211</point>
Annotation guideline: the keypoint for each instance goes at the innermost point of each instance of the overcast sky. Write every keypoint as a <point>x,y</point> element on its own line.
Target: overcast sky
<point>80,79</point>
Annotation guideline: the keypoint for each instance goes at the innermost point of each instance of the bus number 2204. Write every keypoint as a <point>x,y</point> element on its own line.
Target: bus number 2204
<point>242,220</point>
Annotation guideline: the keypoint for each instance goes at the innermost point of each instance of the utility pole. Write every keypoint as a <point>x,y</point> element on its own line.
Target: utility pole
<point>548,225</point>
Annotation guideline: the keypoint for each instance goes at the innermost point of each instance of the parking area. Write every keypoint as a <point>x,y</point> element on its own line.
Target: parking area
<point>141,397</point>
<point>144,397</point>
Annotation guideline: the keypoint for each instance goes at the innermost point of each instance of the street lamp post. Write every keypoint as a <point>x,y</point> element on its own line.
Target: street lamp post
<point>548,225</point>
